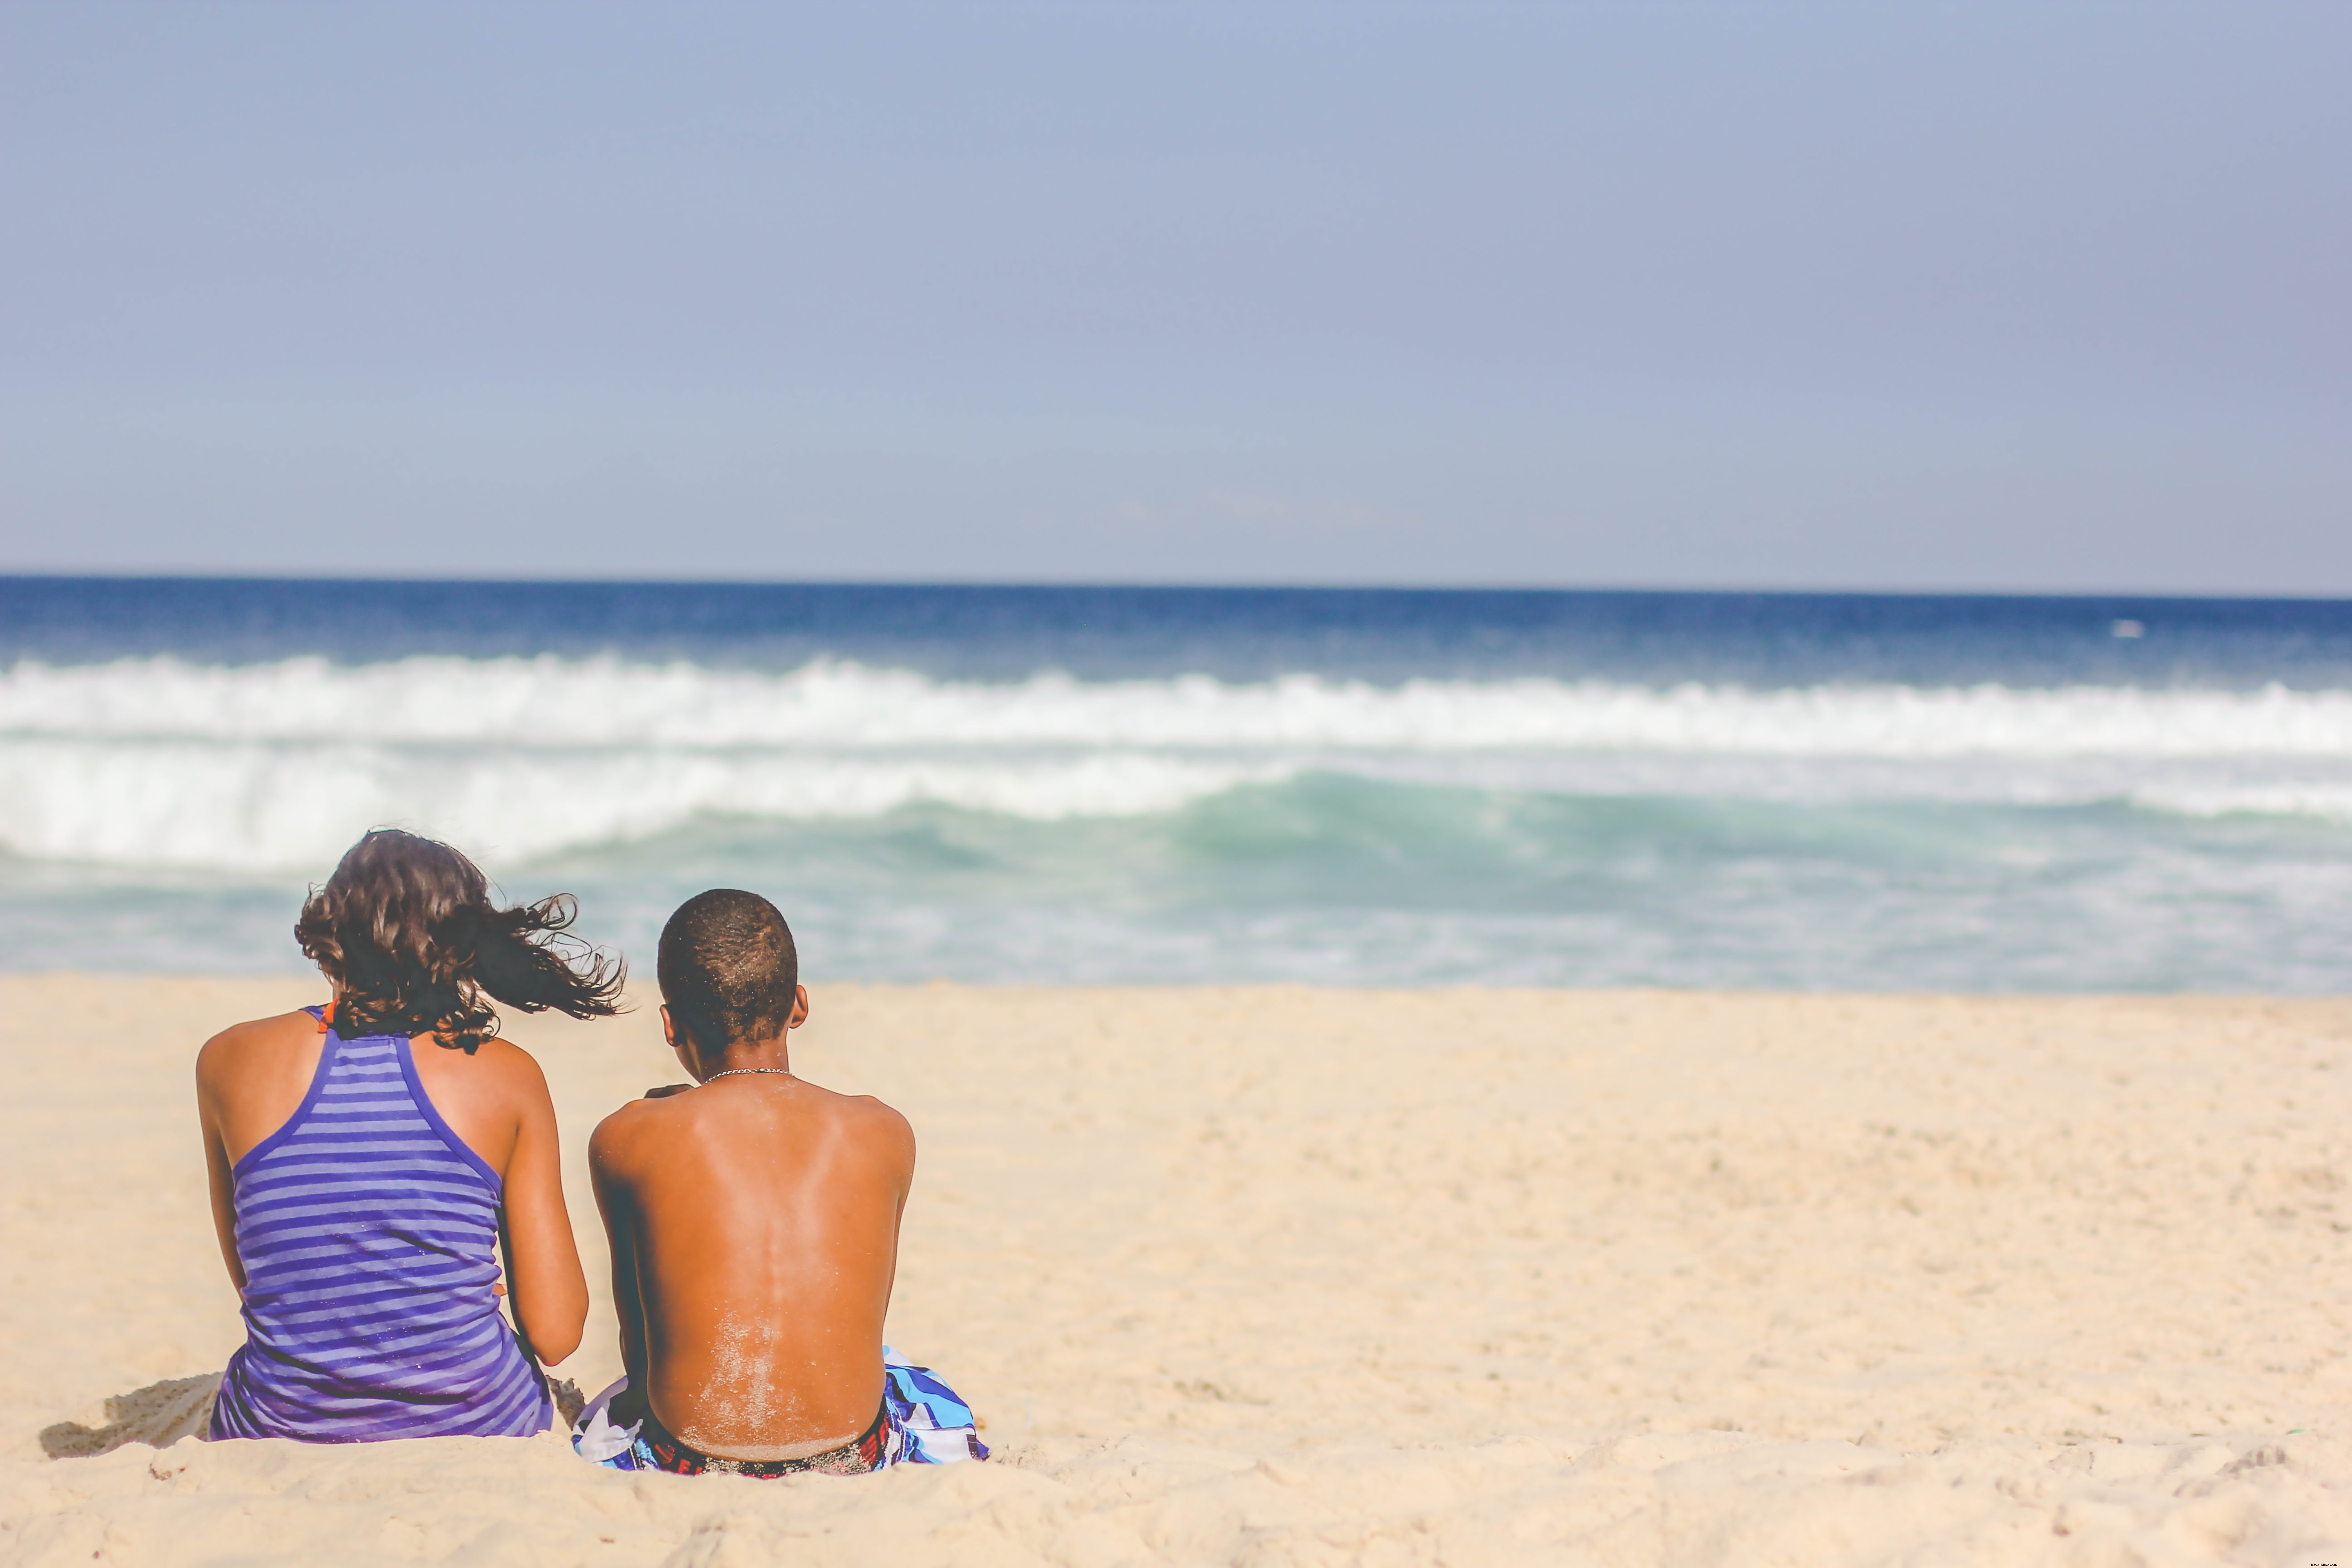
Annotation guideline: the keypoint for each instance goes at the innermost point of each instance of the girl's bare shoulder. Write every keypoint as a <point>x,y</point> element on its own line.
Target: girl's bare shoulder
<point>497,1064</point>
<point>257,1039</point>
<point>501,1056</point>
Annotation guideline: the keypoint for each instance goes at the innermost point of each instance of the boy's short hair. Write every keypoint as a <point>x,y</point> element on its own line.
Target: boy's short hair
<point>728,968</point>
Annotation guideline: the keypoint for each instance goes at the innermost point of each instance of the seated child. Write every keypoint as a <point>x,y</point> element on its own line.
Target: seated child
<point>372,1159</point>
<point>754,1225</point>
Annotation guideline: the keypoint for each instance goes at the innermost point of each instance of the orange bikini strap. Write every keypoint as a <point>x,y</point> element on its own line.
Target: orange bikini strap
<point>327,1021</point>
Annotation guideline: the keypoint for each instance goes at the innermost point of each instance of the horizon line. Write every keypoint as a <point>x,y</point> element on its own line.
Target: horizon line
<point>1081,585</point>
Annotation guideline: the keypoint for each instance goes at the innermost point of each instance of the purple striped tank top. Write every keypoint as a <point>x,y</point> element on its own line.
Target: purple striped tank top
<point>369,1233</point>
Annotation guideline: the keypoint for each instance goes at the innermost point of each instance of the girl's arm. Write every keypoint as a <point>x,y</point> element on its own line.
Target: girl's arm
<point>549,1291</point>
<point>217,1166</point>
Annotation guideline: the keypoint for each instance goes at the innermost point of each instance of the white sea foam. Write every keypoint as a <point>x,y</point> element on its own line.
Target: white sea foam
<point>276,766</point>
<point>2324,798</point>
<point>551,702</point>
<point>289,805</point>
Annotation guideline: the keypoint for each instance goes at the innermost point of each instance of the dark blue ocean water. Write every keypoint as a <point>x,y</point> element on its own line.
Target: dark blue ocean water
<point>1236,634</point>
<point>1059,783</point>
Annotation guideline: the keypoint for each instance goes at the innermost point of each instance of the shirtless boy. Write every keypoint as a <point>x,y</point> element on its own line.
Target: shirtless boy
<point>754,1225</point>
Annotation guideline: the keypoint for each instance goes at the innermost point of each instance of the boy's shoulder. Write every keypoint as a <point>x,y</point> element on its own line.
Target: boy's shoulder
<point>882,1118</point>
<point>871,1125</point>
<point>672,1108</point>
<point>631,1118</point>
<point>863,1111</point>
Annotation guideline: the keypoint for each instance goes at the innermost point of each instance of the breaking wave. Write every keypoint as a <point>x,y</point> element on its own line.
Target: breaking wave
<point>166,762</point>
<point>550,701</point>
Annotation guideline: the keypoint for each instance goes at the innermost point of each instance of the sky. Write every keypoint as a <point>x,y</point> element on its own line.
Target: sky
<point>1995,296</point>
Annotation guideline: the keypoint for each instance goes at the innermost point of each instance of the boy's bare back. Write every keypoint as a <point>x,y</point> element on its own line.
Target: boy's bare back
<point>754,1223</point>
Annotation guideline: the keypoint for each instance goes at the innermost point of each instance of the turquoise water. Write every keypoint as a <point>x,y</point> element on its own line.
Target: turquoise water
<point>1137,786</point>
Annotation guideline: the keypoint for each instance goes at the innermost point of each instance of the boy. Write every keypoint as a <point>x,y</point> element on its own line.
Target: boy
<point>754,1225</point>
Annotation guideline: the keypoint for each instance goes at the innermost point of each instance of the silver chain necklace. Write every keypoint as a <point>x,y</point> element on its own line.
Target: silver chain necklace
<point>731,1072</point>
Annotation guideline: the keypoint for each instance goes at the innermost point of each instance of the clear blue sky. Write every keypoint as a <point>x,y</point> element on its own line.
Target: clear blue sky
<point>1989,295</point>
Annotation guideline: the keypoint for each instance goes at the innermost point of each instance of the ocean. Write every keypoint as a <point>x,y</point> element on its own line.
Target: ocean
<point>1190,786</point>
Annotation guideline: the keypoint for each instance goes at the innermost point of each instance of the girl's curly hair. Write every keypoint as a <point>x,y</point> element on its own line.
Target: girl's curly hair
<point>407,931</point>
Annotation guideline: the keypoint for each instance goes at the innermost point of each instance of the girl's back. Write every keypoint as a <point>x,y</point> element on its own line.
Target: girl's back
<point>368,1233</point>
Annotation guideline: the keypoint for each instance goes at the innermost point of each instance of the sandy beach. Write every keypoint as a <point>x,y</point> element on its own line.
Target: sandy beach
<point>1294,1276</point>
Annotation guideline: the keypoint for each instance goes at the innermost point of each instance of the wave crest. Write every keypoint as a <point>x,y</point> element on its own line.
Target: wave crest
<point>555,702</point>
<point>275,767</point>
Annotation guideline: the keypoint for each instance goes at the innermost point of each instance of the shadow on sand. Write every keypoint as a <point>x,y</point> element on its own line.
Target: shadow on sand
<point>158,1414</point>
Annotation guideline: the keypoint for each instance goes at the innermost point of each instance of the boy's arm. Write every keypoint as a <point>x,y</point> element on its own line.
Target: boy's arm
<point>615,1201</point>
<point>902,1135</point>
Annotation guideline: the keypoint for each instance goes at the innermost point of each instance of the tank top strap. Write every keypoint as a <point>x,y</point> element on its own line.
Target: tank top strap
<point>320,1076</point>
<point>403,1050</point>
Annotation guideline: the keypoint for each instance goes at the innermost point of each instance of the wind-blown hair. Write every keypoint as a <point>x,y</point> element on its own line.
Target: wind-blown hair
<point>407,931</point>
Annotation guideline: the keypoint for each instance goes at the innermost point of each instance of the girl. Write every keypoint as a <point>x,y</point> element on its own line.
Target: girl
<point>371,1158</point>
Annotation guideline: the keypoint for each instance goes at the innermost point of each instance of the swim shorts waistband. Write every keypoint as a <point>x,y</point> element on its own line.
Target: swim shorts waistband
<point>666,1451</point>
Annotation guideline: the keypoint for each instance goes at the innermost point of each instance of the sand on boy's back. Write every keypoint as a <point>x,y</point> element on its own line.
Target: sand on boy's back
<point>1286,1275</point>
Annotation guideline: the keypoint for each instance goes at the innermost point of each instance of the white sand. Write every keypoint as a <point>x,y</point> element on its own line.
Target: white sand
<point>1280,1276</point>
